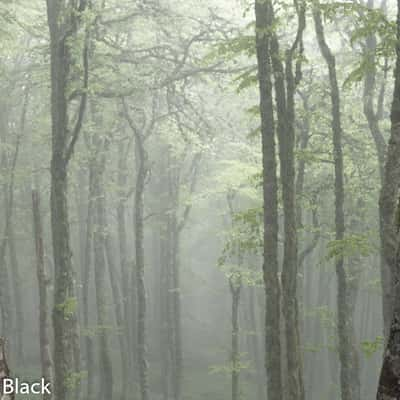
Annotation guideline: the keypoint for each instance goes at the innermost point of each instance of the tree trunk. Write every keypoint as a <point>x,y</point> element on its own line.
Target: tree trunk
<point>64,21</point>
<point>344,324</point>
<point>119,316</point>
<point>372,114</point>
<point>270,266</point>
<point>43,281</point>
<point>235,289</point>
<point>86,284</point>
<point>100,278</point>
<point>389,387</point>
<point>123,254</point>
<point>139,256</point>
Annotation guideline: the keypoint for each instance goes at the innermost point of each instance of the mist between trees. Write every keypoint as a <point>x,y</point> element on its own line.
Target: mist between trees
<point>199,199</point>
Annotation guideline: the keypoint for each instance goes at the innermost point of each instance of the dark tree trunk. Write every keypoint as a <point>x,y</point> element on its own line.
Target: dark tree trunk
<point>389,387</point>
<point>64,22</point>
<point>270,266</point>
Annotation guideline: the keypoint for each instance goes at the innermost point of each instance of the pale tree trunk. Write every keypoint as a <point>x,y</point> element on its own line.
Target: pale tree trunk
<point>373,113</point>
<point>344,324</point>
<point>255,343</point>
<point>89,354</point>
<point>43,282</point>
<point>270,266</point>
<point>119,315</point>
<point>100,272</point>
<point>235,288</point>
<point>123,254</point>
<point>7,170</point>
<point>15,275</point>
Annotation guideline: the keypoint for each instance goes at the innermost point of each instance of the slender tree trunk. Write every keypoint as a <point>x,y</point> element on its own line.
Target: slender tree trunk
<point>43,282</point>
<point>345,327</point>
<point>16,283</point>
<point>141,290</point>
<point>373,116</point>
<point>7,188</point>
<point>100,270</point>
<point>235,289</point>
<point>255,344</point>
<point>123,255</point>
<point>270,266</point>
<point>86,284</point>
<point>119,316</point>
<point>139,256</point>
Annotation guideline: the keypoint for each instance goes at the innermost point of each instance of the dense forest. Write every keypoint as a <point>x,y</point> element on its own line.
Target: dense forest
<point>200,199</point>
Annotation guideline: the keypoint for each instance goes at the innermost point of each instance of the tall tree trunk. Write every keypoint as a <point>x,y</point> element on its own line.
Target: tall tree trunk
<point>43,282</point>
<point>373,115</point>
<point>89,354</point>
<point>285,84</point>
<point>16,283</point>
<point>141,290</point>
<point>139,256</point>
<point>100,278</point>
<point>389,387</point>
<point>123,253</point>
<point>344,324</point>
<point>270,266</point>
<point>64,21</point>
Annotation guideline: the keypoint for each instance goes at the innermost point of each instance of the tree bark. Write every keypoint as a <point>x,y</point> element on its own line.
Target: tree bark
<point>270,266</point>
<point>43,282</point>
<point>64,21</point>
<point>139,256</point>
<point>345,327</point>
<point>389,387</point>
<point>119,316</point>
<point>372,113</point>
<point>100,271</point>
<point>235,288</point>
<point>86,284</point>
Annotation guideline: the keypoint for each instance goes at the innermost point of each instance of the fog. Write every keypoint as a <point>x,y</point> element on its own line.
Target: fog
<point>199,199</point>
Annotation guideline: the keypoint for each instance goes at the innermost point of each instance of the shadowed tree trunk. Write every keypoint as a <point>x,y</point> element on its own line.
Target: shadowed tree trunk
<point>64,20</point>
<point>4,370</point>
<point>270,266</point>
<point>389,387</point>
